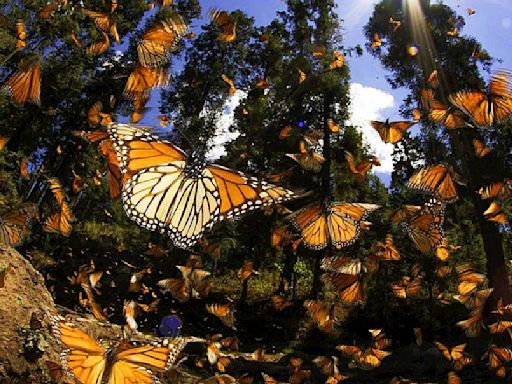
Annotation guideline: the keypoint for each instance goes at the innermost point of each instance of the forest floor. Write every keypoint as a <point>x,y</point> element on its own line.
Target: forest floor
<point>26,343</point>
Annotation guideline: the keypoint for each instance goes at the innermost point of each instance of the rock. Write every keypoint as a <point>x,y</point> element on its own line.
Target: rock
<point>25,340</point>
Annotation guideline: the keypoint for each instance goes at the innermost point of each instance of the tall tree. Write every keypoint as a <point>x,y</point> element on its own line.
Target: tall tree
<point>428,39</point>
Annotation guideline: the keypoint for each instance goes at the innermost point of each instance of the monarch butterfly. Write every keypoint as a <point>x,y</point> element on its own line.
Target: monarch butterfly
<point>486,108</point>
<point>444,249</point>
<point>59,221</point>
<point>350,288</point>
<point>433,79</point>
<point>333,127</point>
<point>395,24</point>
<point>454,32</point>
<point>88,362</point>
<point>164,120</point>
<point>302,75</point>
<point>247,270</point>
<point>279,303</point>
<point>24,85</point>
<point>473,325</point>
<point>338,61</point>
<point>113,5</point>
<point>441,114</point>
<point>499,189</point>
<point>142,80</point>
<point>328,365</point>
<point>376,42</point>
<point>387,250</point>
<point>498,358</point>
<point>481,149</point>
<point>105,147</point>
<point>392,132</point>
<point>160,40</point>
<point>261,83</point>
<point>363,358</point>
<point>361,169</point>
<point>342,264</point>
<point>500,326</point>
<point>336,223</point>
<point>437,180</point>
<point>231,84</point>
<point>99,47</point>
<point>225,312</point>
<point>471,11</point>
<point>285,132</point>
<point>24,173</point>
<point>47,10</point>
<point>502,309</point>
<point>318,51</point>
<point>495,213</point>
<point>311,136</point>
<point>182,197</point>
<point>104,22</point>
<point>224,21</point>
<point>13,226</point>
<point>451,354</point>
<point>281,236</point>
<point>322,315</point>
<point>178,288</point>
<point>416,114</point>
<point>425,227</point>
<point>426,95</point>
<point>3,141</point>
<point>21,35</point>
<point>408,287</point>
<point>95,117</point>
<point>405,212</point>
<point>469,281</point>
<point>139,109</point>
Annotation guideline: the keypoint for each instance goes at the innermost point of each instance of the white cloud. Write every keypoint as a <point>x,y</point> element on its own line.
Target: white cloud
<point>367,104</point>
<point>223,134</point>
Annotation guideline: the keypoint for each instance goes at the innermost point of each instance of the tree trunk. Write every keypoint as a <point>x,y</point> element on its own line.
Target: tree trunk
<point>316,287</point>
<point>287,276</point>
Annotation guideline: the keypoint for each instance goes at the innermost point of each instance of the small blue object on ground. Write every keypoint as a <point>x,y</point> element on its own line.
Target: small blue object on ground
<point>170,326</point>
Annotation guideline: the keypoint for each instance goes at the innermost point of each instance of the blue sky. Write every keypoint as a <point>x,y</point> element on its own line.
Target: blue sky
<point>372,96</point>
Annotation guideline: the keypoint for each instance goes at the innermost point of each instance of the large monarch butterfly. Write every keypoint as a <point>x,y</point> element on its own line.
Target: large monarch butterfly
<point>489,107</point>
<point>88,362</point>
<point>104,22</point>
<point>392,132</point>
<point>184,197</point>
<point>13,226</point>
<point>425,227</point>
<point>333,223</point>
<point>228,25</point>
<point>438,180</point>
<point>160,40</point>
<point>142,80</point>
<point>24,85</point>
